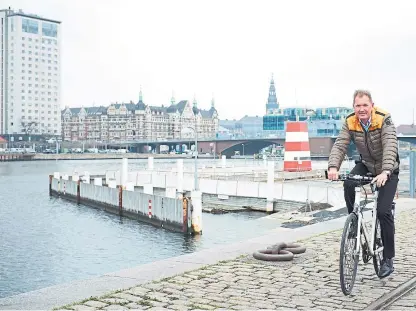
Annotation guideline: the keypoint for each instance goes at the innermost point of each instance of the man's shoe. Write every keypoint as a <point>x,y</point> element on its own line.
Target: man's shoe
<point>386,268</point>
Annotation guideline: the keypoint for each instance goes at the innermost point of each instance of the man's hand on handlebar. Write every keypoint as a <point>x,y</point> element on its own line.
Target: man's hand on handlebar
<point>333,173</point>
<point>380,179</point>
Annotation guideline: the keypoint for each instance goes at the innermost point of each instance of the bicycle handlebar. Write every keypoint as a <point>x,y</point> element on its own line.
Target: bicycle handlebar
<point>343,177</point>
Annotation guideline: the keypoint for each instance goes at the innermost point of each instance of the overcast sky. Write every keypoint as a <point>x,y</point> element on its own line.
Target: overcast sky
<point>318,51</point>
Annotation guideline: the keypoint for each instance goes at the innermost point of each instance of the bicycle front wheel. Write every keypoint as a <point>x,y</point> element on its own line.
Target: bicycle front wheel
<point>348,261</point>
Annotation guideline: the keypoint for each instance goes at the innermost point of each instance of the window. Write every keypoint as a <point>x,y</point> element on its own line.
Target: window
<point>30,25</point>
<point>49,29</point>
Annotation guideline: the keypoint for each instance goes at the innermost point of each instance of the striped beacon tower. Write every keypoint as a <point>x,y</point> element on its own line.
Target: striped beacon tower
<point>297,150</point>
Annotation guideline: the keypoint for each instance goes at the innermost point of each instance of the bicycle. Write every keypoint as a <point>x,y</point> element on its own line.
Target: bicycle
<point>354,221</point>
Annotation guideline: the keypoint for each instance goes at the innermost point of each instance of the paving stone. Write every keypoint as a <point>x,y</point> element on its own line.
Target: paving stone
<point>310,281</point>
<point>114,301</point>
<point>128,297</point>
<point>115,307</point>
<point>82,308</point>
<point>138,291</point>
<point>179,307</point>
<point>95,304</point>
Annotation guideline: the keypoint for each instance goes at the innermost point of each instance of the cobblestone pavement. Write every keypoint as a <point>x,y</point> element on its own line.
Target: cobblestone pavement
<point>406,303</point>
<point>310,281</point>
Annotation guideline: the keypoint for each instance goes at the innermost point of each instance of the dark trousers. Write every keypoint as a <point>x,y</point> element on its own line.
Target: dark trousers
<point>384,203</point>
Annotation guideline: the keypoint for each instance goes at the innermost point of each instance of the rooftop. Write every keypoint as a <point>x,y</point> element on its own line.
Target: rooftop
<point>29,15</point>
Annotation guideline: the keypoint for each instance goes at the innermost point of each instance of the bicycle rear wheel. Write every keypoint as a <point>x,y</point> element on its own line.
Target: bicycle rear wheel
<point>348,261</point>
<point>378,242</point>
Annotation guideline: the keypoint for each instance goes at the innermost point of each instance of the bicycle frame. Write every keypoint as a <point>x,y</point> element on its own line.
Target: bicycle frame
<point>360,225</point>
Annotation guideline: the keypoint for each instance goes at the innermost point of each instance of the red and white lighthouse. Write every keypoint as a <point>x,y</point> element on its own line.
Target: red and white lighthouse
<point>297,149</point>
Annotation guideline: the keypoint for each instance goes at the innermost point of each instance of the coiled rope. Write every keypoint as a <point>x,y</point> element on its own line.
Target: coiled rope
<point>279,252</point>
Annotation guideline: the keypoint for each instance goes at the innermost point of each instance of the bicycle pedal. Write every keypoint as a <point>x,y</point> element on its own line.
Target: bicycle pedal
<point>366,256</point>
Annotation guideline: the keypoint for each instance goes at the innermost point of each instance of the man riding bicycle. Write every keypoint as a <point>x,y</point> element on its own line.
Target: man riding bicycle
<point>374,135</point>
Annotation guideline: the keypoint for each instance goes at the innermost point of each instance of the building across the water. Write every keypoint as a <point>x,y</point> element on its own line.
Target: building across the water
<point>321,121</point>
<point>30,74</point>
<point>139,121</point>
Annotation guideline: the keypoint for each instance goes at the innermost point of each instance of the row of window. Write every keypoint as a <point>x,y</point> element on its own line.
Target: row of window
<point>44,41</point>
<point>32,26</point>
<point>35,65</point>
<point>36,59</point>
<point>35,98</point>
<point>36,79</point>
<point>37,85</point>
<point>56,107</point>
<point>31,72</point>
<point>11,57</point>
<point>36,47</point>
<point>30,48</point>
<point>37,111</point>
<point>36,119</point>
<point>42,98</point>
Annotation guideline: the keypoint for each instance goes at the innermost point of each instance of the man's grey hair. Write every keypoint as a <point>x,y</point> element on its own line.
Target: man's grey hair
<point>361,93</point>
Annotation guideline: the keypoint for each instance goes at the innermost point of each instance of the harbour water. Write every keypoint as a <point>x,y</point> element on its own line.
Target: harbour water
<point>47,241</point>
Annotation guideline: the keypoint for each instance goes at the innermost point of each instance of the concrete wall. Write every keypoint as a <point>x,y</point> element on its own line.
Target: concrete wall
<point>167,212</point>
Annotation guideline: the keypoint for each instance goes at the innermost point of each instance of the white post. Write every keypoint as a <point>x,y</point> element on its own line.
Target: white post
<point>150,163</point>
<point>170,192</point>
<point>180,176</point>
<point>124,172</point>
<point>196,199</point>
<point>86,178</point>
<point>223,161</point>
<point>270,186</point>
<point>148,189</point>
<point>129,186</point>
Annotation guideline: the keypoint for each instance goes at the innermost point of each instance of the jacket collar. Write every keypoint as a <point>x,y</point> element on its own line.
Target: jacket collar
<point>373,118</point>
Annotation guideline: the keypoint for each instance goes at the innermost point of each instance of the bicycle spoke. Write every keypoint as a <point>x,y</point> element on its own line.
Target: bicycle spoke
<point>348,256</point>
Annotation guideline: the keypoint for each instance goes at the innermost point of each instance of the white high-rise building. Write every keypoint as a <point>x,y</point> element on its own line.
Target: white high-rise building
<point>30,73</point>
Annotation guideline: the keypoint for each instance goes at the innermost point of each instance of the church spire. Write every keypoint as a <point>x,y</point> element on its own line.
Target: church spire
<point>140,94</point>
<point>272,105</point>
<point>172,99</point>
<point>195,107</point>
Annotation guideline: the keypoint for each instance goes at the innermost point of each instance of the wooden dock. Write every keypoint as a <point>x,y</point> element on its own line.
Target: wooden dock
<point>6,157</point>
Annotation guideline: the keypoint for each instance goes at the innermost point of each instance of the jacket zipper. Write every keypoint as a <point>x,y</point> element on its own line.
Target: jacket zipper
<point>369,151</point>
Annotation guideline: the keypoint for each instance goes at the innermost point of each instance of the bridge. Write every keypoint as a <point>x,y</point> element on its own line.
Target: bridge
<point>319,146</point>
<point>227,147</point>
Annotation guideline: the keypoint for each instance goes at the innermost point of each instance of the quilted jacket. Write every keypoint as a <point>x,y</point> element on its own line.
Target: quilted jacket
<point>378,146</point>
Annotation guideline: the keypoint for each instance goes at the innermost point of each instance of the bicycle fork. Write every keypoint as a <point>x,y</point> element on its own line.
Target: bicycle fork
<point>357,208</point>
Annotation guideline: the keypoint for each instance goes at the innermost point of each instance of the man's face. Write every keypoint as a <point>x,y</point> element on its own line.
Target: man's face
<point>362,108</point>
